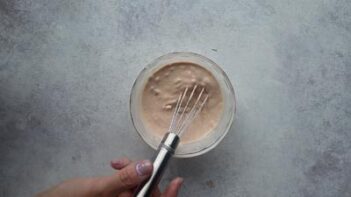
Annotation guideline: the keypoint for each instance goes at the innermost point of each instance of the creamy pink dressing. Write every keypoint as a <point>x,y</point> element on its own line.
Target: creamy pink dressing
<point>162,90</point>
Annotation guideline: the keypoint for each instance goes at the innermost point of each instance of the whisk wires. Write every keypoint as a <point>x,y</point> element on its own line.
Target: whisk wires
<point>184,114</point>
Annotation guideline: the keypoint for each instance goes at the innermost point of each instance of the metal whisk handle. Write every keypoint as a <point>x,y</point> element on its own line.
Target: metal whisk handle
<point>165,152</point>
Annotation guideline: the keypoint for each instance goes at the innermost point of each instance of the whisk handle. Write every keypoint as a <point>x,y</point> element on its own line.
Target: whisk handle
<point>165,152</point>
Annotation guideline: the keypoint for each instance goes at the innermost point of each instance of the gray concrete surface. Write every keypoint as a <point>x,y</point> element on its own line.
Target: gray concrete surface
<point>67,67</point>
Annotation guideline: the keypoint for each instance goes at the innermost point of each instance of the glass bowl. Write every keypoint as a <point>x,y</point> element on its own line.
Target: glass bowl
<point>205,143</point>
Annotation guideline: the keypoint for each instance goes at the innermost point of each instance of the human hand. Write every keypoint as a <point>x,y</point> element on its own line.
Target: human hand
<point>120,184</point>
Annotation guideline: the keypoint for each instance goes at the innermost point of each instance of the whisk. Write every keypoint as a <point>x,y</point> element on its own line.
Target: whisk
<point>185,111</point>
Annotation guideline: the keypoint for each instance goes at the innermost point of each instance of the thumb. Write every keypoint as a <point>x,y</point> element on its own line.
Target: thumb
<point>127,178</point>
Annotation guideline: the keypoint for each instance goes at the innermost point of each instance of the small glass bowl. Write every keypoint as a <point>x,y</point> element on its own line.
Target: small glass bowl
<point>205,143</point>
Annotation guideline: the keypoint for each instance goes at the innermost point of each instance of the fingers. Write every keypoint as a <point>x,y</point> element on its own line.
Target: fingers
<point>173,188</point>
<point>126,194</point>
<point>127,178</point>
<point>118,164</point>
<point>156,192</point>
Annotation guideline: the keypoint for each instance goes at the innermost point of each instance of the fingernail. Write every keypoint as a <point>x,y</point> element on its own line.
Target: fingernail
<point>117,162</point>
<point>180,180</point>
<point>143,168</point>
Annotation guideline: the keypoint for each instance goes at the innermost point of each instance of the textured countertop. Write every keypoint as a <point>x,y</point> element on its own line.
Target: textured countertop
<point>67,68</point>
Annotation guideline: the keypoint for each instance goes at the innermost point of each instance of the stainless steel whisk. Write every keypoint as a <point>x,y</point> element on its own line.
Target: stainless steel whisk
<point>184,114</point>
